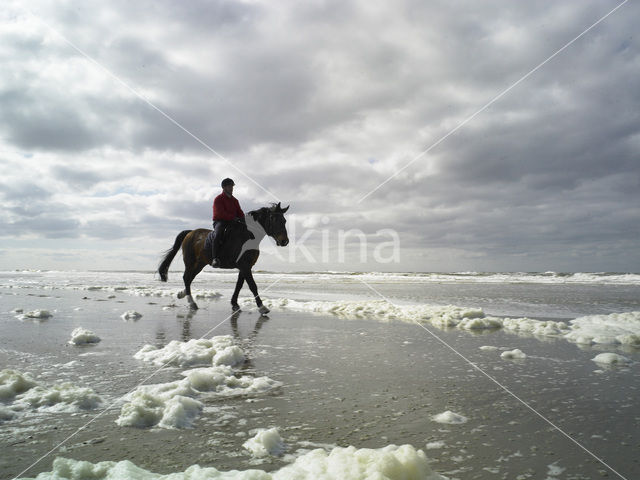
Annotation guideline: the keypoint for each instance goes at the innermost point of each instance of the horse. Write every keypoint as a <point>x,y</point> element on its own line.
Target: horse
<point>238,250</point>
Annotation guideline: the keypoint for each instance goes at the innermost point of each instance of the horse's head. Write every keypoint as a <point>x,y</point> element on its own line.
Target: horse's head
<point>272,220</point>
<point>276,224</point>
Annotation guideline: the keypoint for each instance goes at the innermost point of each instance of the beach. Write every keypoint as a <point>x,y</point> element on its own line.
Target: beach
<point>465,376</point>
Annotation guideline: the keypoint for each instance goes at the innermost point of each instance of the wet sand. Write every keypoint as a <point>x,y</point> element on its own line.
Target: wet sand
<point>345,382</point>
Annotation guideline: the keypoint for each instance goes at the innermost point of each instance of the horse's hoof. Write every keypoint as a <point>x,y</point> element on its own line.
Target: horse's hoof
<point>263,310</point>
<point>235,308</point>
<point>193,306</point>
<point>181,294</point>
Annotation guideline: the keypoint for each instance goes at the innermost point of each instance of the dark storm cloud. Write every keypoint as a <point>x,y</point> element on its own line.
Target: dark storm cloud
<point>33,120</point>
<point>323,102</point>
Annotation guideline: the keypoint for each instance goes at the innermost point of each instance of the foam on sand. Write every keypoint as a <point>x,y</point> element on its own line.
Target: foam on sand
<point>391,462</point>
<point>14,383</point>
<point>265,442</point>
<point>217,351</point>
<point>516,353</point>
<point>611,359</point>
<point>175,404</point>
<point>166,405</point>
<point>449,418</point>
<point>443,316</point>
<point>20,392</point>
<point>131,315</point>
<point>38,314</point>
<point>81,336</point>
<point>612,329</point>
<point>222,380</point>
<point>6,414</point>
<point>488,348</point>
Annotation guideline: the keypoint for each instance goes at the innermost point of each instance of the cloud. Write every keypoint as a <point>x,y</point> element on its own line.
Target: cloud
<point>322,103</point>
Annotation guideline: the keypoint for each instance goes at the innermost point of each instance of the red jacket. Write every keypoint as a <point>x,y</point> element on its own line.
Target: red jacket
<point>226,208</point>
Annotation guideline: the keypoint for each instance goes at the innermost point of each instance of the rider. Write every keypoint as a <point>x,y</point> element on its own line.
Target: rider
<point>226,209</point>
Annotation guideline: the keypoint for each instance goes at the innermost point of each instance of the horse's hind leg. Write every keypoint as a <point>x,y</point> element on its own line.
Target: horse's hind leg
<point>234,298</point>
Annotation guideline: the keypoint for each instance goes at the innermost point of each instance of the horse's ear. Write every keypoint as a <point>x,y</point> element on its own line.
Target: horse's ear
<point>285,209</point>
<point>278,207</point>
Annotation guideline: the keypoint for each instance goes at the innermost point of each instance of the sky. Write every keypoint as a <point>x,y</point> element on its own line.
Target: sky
<point>405,136</point>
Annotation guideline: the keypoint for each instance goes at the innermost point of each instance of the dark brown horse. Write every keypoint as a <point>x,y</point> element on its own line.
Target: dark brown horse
<point>239,250</point>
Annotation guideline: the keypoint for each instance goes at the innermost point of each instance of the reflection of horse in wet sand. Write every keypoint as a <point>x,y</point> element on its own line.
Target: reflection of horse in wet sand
<point>238,250</point>
<point>249,342</point>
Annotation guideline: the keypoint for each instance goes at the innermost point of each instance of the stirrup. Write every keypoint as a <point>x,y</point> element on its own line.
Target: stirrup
<point>215,263</point>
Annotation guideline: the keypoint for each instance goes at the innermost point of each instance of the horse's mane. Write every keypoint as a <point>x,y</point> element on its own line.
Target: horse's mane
<point>272,208</point>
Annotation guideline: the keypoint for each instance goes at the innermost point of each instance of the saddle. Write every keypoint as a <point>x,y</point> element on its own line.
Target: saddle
<point>226,253</point>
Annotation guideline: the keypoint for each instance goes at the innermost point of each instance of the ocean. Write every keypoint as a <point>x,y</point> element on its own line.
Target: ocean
<point>351,375</point>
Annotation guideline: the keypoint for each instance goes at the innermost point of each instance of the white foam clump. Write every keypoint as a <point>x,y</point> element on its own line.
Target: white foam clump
<point>611,359</point>
<point>207,295</point>
<point>391,462</point>
<point>441,316</point>
<point>81,336</point>
<point>435,445</point>
<point>6,413</point>
<point>612,329</point>
<point>217,351</point>
<point>131,315</point>
<point>174,404</point>
<point>615,328</point>
<point>63,396</point>
<point>222,380</point>
<point>445,316</point>
<point>515,353</point>
<point>39,314</point>
<point>449,417</point>
<point>265,442</point>
<point>24,392</point>
<point>545,328</point>
<point>166,405</point>
<point>14,383</point>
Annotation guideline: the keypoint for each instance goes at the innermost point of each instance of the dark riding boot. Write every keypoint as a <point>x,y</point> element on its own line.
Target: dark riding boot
<point>218,227</point>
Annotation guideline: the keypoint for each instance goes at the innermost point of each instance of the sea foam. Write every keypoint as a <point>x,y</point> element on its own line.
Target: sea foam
<point>265,442</point>
<point>613,329</point>
<point>450,418</point>
<point>81,336</point>
<point>350,463</point>
<point>217,351</point>
<point>39,314</point>
<point>21,392</point>
<point>166,405</point>
<point>175,404</point>
<point>611,359</point>
<point>513,354</point>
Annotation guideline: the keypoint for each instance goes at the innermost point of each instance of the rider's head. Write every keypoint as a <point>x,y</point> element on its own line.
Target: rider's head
<point>227,186</point>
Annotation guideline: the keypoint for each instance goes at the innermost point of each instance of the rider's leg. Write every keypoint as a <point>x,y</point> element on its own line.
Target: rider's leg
<point>215,245</point>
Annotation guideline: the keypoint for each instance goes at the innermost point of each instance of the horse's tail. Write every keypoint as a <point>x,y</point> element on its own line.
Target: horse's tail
<point>168,256</point>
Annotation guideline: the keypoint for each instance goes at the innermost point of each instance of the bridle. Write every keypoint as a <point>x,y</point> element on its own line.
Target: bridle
<point>268,221</point>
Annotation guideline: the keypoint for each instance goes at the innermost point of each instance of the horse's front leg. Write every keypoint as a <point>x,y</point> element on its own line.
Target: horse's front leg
<point>234,298</point>
<point>248,276</point>
<point>188,277</point>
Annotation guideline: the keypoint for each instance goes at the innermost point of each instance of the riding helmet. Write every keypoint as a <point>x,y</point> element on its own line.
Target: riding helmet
<point>227,181</point>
